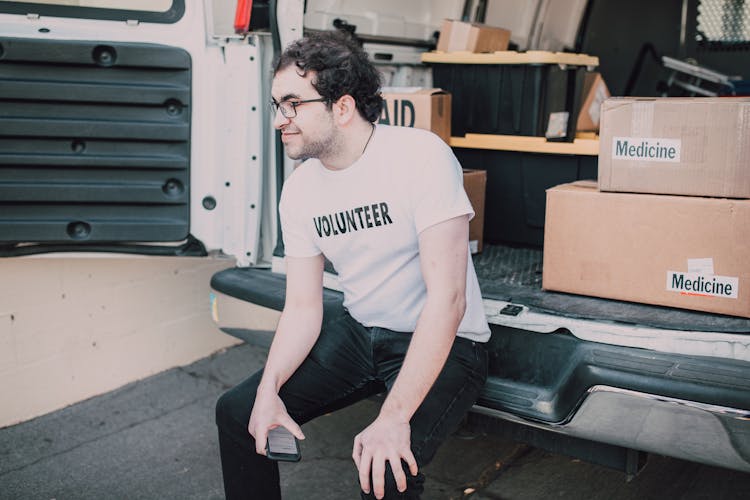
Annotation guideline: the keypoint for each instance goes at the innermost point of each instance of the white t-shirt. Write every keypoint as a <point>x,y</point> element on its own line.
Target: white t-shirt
<point>366,220</point>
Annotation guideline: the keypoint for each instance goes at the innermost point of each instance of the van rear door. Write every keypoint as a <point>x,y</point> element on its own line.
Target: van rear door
<point>127,130</point>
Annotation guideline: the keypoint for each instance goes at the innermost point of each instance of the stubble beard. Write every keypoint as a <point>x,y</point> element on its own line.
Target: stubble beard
<point>326,146</point>
<point>316,149</point>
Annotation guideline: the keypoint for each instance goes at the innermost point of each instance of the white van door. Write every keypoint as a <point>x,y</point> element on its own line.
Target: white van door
<point>130,127</point>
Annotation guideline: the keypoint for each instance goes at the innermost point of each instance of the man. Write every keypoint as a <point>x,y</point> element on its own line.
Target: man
<point>387,207</point>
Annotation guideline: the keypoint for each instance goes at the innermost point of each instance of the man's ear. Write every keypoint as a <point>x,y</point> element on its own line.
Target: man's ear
<point>345,109</point>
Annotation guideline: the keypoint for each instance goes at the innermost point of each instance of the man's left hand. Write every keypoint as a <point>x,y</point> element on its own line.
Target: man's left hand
<point>387,439</point>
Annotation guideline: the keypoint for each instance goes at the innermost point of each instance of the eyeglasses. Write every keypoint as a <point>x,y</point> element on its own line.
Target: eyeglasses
<point>289,108</point>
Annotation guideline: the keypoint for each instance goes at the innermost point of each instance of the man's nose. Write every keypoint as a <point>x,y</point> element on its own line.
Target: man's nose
<point>279,120</point>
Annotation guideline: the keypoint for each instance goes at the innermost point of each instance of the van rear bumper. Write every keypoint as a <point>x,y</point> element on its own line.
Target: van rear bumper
<point>690,407</point>
<point>698,432</point>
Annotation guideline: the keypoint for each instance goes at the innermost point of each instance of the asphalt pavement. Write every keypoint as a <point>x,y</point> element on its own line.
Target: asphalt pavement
<point>155,439</point>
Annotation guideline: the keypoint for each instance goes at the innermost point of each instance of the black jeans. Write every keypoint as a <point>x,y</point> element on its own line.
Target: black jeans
<point>349,362</point>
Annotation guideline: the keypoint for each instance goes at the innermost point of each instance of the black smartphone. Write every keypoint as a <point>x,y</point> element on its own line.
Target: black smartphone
<point>282,445</point>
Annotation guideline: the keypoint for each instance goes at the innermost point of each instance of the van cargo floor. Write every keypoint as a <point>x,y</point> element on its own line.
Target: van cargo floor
<point>514,274</point>
<point>509,274</point>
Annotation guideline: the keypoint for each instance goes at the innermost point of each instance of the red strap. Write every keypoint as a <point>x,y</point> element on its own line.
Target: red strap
<point>242,16</point>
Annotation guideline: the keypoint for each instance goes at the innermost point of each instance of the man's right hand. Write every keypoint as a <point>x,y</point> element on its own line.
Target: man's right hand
<point>268,413</point>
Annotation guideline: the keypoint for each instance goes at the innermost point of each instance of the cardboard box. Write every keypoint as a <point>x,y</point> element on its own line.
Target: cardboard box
<point>678,251</point>
<point>696,146</point>
<point>475,184</point>
<point>459,36</point>
<point>418,107</point>
<point>595,92</point>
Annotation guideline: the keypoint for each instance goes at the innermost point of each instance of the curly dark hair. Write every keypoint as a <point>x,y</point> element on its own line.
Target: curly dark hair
<point>341,67</point>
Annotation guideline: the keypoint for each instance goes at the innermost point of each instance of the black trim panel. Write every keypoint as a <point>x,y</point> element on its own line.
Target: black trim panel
<point>170,16</point>
<point>94,142</point>
<point>544,377</point>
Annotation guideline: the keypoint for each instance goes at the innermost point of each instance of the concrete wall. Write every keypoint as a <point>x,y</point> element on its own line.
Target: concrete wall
<point>72,327</point>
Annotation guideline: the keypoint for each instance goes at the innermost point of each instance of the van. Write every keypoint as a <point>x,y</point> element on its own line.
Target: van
<point>143,128</point>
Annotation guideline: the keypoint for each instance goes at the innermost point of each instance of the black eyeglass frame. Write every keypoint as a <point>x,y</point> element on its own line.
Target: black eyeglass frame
<point>276,106</point>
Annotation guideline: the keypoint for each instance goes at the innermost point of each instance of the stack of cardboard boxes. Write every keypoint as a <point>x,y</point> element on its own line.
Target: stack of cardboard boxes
<point>670,221</point>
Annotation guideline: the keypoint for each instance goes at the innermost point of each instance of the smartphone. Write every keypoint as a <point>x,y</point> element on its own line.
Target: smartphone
<point>282,445</point>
